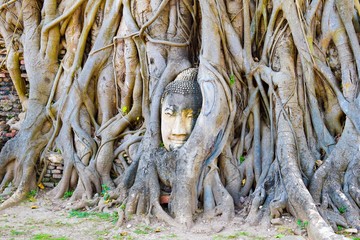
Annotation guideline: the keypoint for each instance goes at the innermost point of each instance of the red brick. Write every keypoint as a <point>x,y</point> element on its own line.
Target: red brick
<point>10,135</point>
<point>164,199</point>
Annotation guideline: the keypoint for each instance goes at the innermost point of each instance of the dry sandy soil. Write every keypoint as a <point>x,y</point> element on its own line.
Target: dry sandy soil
<point>40,218</point>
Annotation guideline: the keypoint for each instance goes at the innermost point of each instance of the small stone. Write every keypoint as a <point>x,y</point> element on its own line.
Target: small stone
<point>128,226</point>
<point>60,167</point>
<point>56,171</point>
<point>51,167</point>
<point>318,163</point>
<point>49,184</point>
<point>351,230</point>
<point>55,157</point>
<point>57,176</point>
<point>277,221</point>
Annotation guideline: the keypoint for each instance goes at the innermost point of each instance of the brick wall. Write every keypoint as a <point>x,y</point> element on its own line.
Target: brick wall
<point>10,105</point>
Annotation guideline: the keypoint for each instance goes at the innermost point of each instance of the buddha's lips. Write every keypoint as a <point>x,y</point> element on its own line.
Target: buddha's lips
<point>178,141</point>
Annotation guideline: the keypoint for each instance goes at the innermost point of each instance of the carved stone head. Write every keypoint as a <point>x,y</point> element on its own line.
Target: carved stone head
<point>181,105</point>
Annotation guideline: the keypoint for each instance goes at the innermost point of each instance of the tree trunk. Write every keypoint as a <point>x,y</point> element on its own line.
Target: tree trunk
<point>278,123</point>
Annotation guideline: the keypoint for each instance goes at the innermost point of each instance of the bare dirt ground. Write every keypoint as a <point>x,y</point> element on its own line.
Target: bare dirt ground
<point>40,218</point>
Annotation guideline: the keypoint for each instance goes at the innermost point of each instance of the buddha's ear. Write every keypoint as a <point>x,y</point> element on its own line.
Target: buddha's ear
<point>162,99</point>
<point>209,89</point>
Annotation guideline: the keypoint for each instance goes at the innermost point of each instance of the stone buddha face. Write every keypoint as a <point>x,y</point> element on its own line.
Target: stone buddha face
<point>181,104</point>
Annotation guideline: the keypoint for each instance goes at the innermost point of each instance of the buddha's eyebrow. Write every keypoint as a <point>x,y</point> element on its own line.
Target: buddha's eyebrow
<point>170,108</point>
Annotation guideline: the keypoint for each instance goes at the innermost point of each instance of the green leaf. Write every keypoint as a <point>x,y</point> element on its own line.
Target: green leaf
<point>124,109</point>
<point>342,209</point>
<point>241,159</point>
<point>280,236</point>
<point>123,206</point>
<point>310,41</point>
<point>232,80</point>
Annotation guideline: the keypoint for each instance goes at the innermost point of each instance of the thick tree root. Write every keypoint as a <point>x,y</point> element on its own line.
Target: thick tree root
<point>217,200</point>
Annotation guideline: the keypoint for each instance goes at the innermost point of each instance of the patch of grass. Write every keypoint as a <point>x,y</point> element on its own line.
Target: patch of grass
<point>46,236</point>
<point>105,191</point>
<point>41,236</point>
<point>60,224</point>
<point>78,214</point>
<point>280,236</point>
<point>143,229</point>
<point>101,215</point>
<point>342,209</point>
<point>68,194</point>
<point>285,230</point>
<point>31,195</point>
<point>123,238</point>
<point>102,232</point>
<point>113,217</point>
<point>355,238</point>
<point>170,236</point>
<point>243,234</point>
<point>140,231</point>
<point>235,235</point>
<point>340,228</point>
<point>302,224</point>
<point>223,237</point>
<point>16,233</point>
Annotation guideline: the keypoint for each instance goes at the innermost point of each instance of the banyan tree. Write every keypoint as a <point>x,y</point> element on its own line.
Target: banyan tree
<point>267,90</point>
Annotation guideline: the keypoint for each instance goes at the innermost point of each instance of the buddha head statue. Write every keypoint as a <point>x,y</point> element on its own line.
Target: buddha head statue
<point>180,107</point>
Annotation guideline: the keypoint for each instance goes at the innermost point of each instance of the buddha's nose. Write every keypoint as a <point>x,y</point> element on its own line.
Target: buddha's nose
<point>179,126</point>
